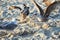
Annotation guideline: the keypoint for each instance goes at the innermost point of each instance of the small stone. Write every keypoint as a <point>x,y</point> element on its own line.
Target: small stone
<point>59,36</point>
<point>58,24</point>
<point>3,34</point>
<point>8,34</point>
<point>15,38</point>
<point>11,36</point>
<point>8,26</point>
<point>39,19</point>
<point>20,0</point>
<point>49,21</point>
<point>59,33</point>
<point>42,35</point>
<point>17,31</point>
<point>1,12</point>
<point>1,2</point>
<point>54,35</point>
<point>3,39</point>
<point>45,26</point>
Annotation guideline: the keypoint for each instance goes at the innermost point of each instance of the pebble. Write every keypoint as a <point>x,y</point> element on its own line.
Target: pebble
<point>3,39</point>
<point>42,35</point>
<point>1,12</point>
<point>20,0</point>
<point>55,35</point>
<point>45,26</point>
<point>3,34</point>
<point>15,38</point>
<point>59,36</point>
<point>58,24</point>
<point>11,36</point>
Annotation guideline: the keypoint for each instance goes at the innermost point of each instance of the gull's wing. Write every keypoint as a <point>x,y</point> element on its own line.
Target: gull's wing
<point>14,7</point>
<point>51,7</point>
<point>40,9</point>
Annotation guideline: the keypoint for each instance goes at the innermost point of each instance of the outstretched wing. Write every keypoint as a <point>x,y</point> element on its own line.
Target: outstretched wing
<point>51,7</point>
<point>14,7</point>
<point>40,9</point>
<point>18,7</point>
